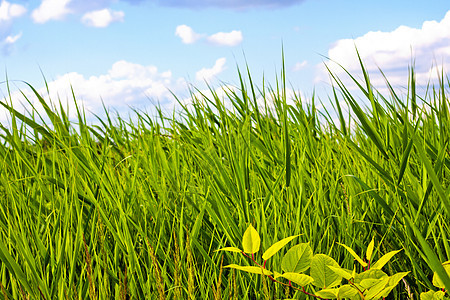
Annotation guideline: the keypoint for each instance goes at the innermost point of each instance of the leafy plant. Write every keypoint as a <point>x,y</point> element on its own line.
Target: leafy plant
<point>301,268</point>
<point>437,282</point>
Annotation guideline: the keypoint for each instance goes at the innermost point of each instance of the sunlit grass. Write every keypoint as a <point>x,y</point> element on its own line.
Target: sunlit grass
<point>135,208</point>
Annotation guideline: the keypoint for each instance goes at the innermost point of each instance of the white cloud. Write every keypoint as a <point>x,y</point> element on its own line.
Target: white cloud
<point>125,84</point>
<point>393,52</point>
<point>51,10</point>
<point>189,36</point>
<point>102,18</point>
<point>10,11</point>
<point>299,65</point>
<point>232,38</point>
<point>208,74</point>
<point>12,39</point>
<point>94,13</point>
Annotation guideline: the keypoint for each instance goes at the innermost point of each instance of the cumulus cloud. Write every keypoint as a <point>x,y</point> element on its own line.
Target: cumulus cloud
<point>208,74</point>
<point>10,11</point>
<point>393,52</point>
<point>95,13</point>
<point>124,85</point>
<point>51,10</point>
<point>102,18</point>
<point>232,38</point>
<point>228,4</point>
<point>189,36</point>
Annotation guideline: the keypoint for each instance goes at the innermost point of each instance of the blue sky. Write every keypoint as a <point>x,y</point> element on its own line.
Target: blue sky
<point>132,52</point>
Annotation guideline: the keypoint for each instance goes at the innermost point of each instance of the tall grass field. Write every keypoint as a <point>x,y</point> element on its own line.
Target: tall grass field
<point>136,208</point>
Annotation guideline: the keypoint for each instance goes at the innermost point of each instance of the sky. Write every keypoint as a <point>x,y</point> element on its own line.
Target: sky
<point>135,53</point>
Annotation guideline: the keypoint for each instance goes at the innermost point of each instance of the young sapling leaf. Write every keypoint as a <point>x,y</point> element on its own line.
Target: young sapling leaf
<point>250,269</point>
<point>342,272</point>
<point>230,249</point>
<point>277,246</point>
<point>251,240</point>
<point>323,276</point>
<point>276,275</point>
<point>437,282</point>
<point>371,273</point>
<point>432,295</point>
<point>393,281</point>
<point>300,279</point>
<point>384,259</point>
<point>369,251</point>
<point>353,253</point>
<point>297,259</point>
<point>370,282</point>
<point>376,289</point>
<point>347,291</point>
<point>328,293</point>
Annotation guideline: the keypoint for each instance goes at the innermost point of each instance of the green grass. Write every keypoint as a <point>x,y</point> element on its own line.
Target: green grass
<point>135,209</point>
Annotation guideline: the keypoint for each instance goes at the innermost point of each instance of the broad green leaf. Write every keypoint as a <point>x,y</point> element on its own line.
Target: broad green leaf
<point>277,246</point>
<point>385,292</point>
<point>297,259</point>
<point>369,282</point>
<point>384,259</point>
<point>437,280</point>
<point>230,249</point>
<point>393,281</point>
<point>250,269</point>
<point>347,291</point>
<point>432,295</point>
<point>369,250</point>
<point>370,274</point>
<point>347,274</point>
<point>328,293</point>
<point>276,274</point>
<point>300,279</point>
<point>375,290</point>
<point>323,276</point>
<point>353,253</point>
<point>251,240</point>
